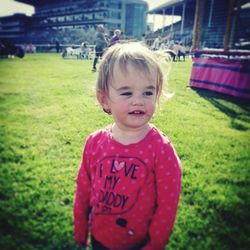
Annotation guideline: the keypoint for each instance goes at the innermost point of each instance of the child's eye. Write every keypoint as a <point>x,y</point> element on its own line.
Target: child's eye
<point>148,93</point>
<point>126,93</point>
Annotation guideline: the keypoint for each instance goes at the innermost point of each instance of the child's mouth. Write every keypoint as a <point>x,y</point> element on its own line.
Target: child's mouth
<point>136,112</point>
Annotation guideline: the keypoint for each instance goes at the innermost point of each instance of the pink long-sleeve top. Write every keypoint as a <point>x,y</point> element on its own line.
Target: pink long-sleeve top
<point>127,194</point>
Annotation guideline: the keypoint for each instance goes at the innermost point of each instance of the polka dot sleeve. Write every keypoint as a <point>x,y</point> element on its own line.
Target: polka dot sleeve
<point>81,203</point>
<point>168,182</point>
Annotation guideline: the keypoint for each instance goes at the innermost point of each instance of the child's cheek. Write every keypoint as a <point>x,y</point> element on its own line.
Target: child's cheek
<point>151,110</point>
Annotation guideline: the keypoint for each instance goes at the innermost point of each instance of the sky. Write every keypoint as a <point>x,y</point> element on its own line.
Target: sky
<point>9,7</point>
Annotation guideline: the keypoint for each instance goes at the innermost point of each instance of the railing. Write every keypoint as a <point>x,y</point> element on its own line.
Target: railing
<point>229,54</point>
<point>50,48</point>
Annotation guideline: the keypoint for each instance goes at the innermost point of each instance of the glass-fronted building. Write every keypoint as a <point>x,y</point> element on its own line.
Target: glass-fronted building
<point>133,24</point>
<point>127,15</point>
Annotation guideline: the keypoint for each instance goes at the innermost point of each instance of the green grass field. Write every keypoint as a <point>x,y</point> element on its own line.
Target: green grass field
<point>48,108</point>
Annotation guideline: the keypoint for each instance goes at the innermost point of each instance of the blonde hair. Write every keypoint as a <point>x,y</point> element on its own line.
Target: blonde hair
<point>136,54</point>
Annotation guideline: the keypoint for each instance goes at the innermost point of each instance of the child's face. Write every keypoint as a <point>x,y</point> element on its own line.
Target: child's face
<point>132,97</point>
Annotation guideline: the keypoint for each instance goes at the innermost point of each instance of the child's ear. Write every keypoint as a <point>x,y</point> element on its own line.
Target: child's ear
<point>102,99</point>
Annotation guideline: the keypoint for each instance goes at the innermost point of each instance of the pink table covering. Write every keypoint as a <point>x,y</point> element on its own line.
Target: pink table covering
<point>222,75</point>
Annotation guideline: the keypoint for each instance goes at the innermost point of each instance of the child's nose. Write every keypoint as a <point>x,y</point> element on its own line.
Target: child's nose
<point>137,100</point>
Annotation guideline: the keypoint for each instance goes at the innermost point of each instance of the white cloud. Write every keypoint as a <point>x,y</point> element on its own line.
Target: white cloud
<point>9,7</point>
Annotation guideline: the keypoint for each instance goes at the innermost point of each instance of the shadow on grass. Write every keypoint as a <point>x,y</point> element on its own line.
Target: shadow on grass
<point>230,217</point>
<point>238,109</point>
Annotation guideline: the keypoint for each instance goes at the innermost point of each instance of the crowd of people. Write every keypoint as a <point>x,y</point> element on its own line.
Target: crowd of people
<point>104,39</point>
<point>175,49</point>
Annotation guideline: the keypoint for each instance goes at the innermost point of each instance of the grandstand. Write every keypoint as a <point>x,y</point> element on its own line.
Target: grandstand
<point>68,21</point>
<point>218,20</point>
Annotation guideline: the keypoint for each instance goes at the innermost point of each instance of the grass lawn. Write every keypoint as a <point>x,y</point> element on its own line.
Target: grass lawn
<point>48,108</point>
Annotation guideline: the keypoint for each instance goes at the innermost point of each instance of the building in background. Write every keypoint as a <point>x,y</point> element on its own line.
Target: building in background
<point>15,26</point>
<point>216,20</point>
<point>61,16</point>
<point>135,18</point>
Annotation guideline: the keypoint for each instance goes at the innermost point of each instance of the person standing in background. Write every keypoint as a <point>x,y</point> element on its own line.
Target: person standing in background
<point>115,38</point>
<point>57,47</point>
<point>157,43</point>
<point>100,44</point>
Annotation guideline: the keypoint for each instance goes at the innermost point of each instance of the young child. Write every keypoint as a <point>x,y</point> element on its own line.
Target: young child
<point>129,181</point>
